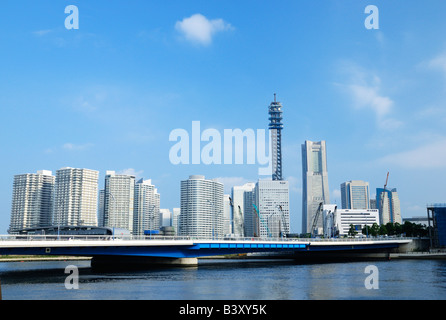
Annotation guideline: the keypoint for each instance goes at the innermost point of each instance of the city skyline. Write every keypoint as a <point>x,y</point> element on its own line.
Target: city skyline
<point>107,95</point>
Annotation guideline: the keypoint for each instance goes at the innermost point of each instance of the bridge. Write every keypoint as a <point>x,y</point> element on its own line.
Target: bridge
<point>111,250</point>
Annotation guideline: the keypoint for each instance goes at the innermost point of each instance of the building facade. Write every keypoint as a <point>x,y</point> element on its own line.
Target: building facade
<point>359,218</point>
<point>76,197</point>
<point>118,201</point>
<point>388,204</point>
<point>201,208</point>
<point>227,215</point>
<point>355,194</point>
<point>176,212</point>
<point>32,201</point>
<point>146,207</point>
<point>238,208</point>
<point>314,182</point>
<point>436,215</point>
<point>273,208</point>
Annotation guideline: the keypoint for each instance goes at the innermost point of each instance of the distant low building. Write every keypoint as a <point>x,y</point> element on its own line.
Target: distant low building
<point>339,221</point>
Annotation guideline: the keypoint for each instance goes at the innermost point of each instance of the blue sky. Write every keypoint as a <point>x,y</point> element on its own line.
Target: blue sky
<point>107,95</point>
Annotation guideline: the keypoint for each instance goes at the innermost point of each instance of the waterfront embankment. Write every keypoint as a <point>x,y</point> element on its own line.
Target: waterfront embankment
<point>40,258</point>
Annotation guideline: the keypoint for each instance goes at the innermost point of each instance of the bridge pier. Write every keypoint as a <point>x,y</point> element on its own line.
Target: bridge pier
<point>126,262</point>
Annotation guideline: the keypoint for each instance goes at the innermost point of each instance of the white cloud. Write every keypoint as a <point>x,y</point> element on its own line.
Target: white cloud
<point>439,62</point>
<point>229,182</point>
<point>76,147</point>
<point>198,29</point>
<point>368,97</point>
<point>131,172</point>
<point>365,90</point>
<point>428,156</point>
<point>41,33</point>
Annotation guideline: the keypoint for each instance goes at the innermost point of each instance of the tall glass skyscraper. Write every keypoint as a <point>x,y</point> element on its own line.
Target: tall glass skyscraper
<point>314,182</point>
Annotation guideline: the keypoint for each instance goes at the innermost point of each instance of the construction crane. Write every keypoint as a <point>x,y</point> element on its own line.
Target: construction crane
<point>381,202</point>
<point>285,226</point>
<point>260,220</point>
<point>234,213</point>
<point>316,217</point>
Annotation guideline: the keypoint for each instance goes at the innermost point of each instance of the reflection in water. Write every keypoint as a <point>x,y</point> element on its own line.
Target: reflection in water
<point>228,280</point>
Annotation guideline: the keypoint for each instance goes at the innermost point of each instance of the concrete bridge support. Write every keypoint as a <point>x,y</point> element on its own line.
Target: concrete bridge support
<point>119,262</point>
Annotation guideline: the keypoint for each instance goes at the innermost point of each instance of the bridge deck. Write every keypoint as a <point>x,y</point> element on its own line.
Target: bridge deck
<point>170,247</point>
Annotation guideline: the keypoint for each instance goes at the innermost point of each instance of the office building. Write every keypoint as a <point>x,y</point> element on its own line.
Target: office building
<point>32,201</point>
<point>355,195</point>
<point>359,218</point>
<point>76,197</point>
<point>388,204</point>
<point>314,182</point>
<point>201,208</point>
<point>146,208</point>
<point>238,208</point>
<point>272,203</point>
<point>118,200</point>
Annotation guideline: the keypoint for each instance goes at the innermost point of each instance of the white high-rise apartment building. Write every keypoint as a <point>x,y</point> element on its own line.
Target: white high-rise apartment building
<point>201,208</point>
<point>315,183</point>
<point>32,201</point>
<point>146,207</point>
<point>272,202</point>
<point>238,207</point>
<point>355,195</point>
<point>76,197</point>
<point>119,200</point>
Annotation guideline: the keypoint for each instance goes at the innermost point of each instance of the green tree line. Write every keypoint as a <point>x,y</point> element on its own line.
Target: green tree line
<point>408,229</point>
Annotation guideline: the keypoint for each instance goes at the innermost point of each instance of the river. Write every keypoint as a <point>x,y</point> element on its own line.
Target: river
<point>222,279</point>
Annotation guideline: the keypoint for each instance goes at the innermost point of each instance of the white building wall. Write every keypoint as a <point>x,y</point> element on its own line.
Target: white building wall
<point>146,208</point>
<point>119,201</point>
<point>32,200</point>
<point>201,208</point>
<point>356,217</point>
<point>76,197</point>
